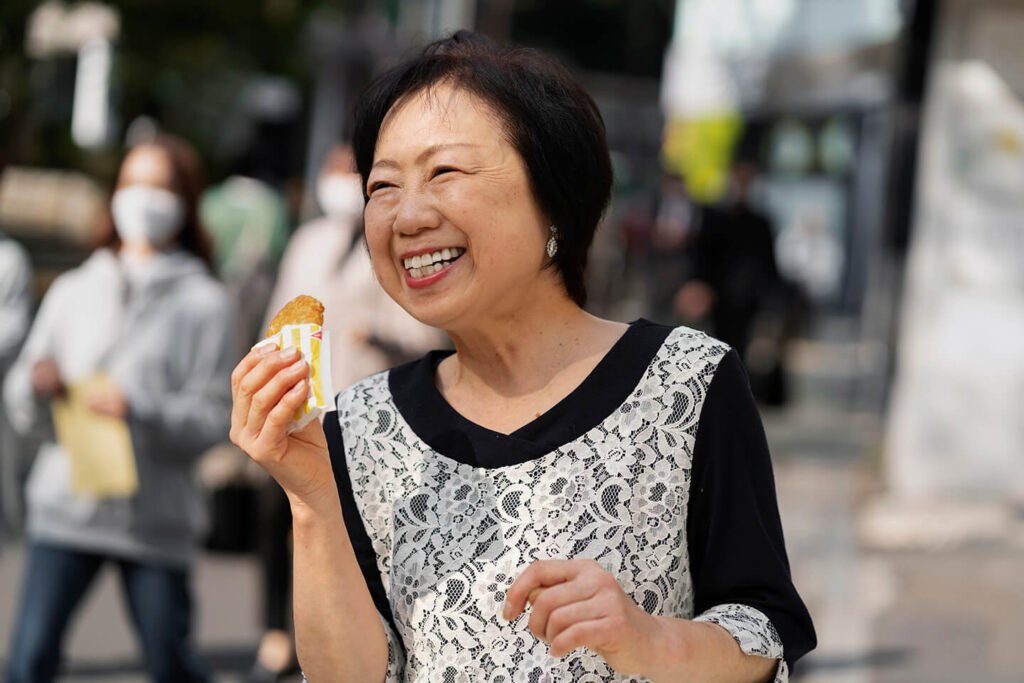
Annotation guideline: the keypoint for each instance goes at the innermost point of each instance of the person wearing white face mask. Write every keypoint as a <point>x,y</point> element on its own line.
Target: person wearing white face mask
<point>327,258</point>
<point>144,312</point>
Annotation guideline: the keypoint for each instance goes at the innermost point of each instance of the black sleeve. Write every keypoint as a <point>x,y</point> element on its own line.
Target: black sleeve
<point>734,534</point>
<point>360,540</point>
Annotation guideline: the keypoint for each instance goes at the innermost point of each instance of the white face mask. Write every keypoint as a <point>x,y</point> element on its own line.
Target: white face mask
<point>340,196</point>
<point>147,214</point>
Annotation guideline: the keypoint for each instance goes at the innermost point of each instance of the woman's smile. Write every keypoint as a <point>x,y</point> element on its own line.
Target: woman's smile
<point>425,267</point>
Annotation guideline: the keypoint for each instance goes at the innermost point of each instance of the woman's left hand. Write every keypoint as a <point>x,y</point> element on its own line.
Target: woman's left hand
<point>108,400</point>
<point>577,604</point>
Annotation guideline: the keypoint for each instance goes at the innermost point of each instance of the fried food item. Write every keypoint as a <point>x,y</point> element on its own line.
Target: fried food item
<point>302,310</point>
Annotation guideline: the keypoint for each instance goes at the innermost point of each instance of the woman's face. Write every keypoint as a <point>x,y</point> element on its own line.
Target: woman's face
<point>455,234</point>
<point>146,207</point>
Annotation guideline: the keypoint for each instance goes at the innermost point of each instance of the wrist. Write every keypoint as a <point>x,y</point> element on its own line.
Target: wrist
<point>313,507</point>
<point>670,648</point>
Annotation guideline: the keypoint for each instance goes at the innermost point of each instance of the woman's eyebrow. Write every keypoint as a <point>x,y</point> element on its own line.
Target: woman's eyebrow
<point>426,153</point>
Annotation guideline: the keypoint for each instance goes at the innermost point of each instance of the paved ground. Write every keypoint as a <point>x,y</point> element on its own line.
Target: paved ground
<point>933,594</point>
<point>885,612</point>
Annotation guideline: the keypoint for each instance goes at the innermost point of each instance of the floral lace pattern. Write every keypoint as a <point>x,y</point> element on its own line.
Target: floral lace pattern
<point>451,538</point>
<point>752,631</point>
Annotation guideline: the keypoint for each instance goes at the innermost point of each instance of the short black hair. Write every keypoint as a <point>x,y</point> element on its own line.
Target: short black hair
<point>547,117</point>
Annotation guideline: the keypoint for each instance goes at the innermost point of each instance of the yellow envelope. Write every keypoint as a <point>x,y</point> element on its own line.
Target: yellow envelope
<point>99,447</point>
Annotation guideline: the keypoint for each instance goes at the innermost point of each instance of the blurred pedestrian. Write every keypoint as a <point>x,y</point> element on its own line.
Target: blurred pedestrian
<point>734,266</point>
<point>15,314</point>
<point>145,312</point>
<point>611,480</point>
<point>327,258</point>
<point>247,219</point>
<point>675,224</point>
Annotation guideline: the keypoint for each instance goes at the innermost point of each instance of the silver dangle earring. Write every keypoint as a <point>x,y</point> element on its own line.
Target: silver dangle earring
<point>552,247</point>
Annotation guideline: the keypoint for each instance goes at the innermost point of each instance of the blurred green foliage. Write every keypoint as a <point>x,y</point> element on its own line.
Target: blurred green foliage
<point>187,64</point>
<point>184,63</point>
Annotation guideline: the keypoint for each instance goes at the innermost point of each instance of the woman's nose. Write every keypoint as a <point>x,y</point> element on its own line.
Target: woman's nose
<point>415,214</point>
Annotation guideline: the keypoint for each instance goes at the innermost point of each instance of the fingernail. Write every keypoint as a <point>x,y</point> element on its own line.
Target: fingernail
<point>287,353</point>
<point>265,349</point>
<point>505,612</point>
<point>299,388</point>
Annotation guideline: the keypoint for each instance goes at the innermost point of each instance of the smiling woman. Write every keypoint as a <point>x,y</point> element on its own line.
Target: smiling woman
<point>562,497</point>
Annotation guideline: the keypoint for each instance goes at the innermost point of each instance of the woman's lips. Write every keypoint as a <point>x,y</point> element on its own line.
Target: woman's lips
<point>419,277</point>
<point>422,263</point>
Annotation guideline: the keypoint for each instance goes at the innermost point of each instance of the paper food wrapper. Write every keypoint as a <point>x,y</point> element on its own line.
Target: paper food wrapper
<point>314,343</point>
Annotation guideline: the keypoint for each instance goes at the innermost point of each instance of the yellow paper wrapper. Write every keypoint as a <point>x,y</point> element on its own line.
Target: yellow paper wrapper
<point>99,447</point>
<point>314,343</point>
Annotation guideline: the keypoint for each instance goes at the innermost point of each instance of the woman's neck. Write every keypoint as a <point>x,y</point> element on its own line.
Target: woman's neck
<point>138,251</point>
<point>519,355</point>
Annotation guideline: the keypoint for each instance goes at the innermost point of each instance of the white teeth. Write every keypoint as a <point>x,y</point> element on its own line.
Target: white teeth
<point>428,264</point>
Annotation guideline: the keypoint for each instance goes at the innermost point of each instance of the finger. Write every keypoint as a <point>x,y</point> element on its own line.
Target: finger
<point>239,405</point>
<point>540,574</point>
<point>593,634</point>
<point>249,361</point>
<point>255,379</point>
<point>275,427</point>
<point>554,599</point>
<point>266,398</point>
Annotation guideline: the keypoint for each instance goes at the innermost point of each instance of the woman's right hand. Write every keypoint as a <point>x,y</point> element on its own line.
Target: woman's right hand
<point>267,387</point>
<point>46,379</point>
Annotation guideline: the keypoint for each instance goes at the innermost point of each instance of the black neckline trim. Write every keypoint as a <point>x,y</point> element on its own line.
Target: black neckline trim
<point>446,431</point>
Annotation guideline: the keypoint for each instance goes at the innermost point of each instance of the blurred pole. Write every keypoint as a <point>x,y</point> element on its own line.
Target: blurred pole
<point>920,18</point>
<point>88,29</point>
<point>426,20</point>
<point>342,52</point>
<point>495,18</point>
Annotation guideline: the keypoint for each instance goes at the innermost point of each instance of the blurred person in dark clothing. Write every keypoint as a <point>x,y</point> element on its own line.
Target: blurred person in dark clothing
<point>145,313</point>
<point>734,266</point>
<point>675,224</point>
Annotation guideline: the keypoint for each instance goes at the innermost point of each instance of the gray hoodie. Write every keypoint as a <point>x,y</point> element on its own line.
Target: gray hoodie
<point>163,333</point>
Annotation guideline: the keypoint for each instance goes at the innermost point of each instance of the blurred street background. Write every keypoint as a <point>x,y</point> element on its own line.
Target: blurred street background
<point>876,145</point>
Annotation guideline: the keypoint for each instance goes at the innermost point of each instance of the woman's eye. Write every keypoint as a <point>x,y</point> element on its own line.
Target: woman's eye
<point>441,170</point>
<point>378,185</point>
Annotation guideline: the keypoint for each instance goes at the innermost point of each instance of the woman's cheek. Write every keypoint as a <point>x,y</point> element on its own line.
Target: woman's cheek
<point>378,242</point>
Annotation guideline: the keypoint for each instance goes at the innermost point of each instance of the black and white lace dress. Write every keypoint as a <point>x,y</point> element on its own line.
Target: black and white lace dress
<point>655,466</point>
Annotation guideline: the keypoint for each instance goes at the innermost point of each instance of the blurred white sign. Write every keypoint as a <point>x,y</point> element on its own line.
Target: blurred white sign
<point>956,425</point>
<point>54,27</point>
<point>90,117</point>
